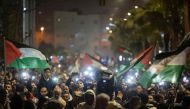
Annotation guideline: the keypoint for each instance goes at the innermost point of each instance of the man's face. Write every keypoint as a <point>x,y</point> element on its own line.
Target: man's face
<point>150,98</point>
<point>81,85</point>
<point>33,85</point>
<point>43,91</point>
<point>13,82</point>
<point>8,87</point>
<point>57,91</point>
<point>139,89</point>
<point>65,89</point>
<point>48,73</point>
<point>66,97</point>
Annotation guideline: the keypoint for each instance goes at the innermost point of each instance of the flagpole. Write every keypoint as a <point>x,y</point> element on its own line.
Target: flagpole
<point>4,47</point>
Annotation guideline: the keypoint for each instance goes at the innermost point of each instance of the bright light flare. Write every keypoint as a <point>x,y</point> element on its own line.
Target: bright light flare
<point>42,28</point>
<point>55,79</point>
<point>107,28</point>
<point>129,14</point>
<point>161,83</point>
<point>59,65</point>
<point>136,7</point>
<point>120,57</point>
<point>89,68</point>
<point>111,19</point>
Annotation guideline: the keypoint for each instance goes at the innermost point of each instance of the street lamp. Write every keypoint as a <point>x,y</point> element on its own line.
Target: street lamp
<point>136,7</point>
<point>42,29</point>
<point>129,14</point>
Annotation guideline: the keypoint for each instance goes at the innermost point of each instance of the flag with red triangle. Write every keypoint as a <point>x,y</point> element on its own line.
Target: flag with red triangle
<point>11,52</point>
<point>141,61</point>
<point>90,61</point>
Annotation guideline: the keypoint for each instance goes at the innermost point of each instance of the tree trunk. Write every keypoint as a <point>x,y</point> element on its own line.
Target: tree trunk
<point>186,16</point>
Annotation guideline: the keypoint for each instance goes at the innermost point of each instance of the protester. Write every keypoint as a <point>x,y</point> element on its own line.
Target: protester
<point>89,100</point>
<point>102,101</point>
<point>46,81</point>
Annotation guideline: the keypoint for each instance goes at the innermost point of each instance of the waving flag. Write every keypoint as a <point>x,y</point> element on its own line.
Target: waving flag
<point>146,79</point>
<point>29,58</point>
<point>11,52</point>
<point>124,50</point>
<point>173,70</point>
<point>141,61</point>
<point>91,61</point>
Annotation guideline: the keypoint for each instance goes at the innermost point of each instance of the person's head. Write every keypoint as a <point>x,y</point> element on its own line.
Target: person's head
<point>57,91</point>
<point>159,98</point>
<point>123,86</point>
<point>89,97</point>
<point>8,87</point>
<point>33,84</point>
<point>17,102</point>
<point>65,88</point>
<point>150,98</point>
<point>135,102</point>
<point>44,91</point>
<point>153,92</point>
<point>13,81</point>
<point>53,105</point>
<point>102,101</point>
<point>114,105</point>
<point>139,89</point>
<point>47,72</point>
<point>66,96</point>
<point>80,84</point>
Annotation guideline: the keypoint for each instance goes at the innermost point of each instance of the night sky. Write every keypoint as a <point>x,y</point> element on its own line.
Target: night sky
<point>116,8</point>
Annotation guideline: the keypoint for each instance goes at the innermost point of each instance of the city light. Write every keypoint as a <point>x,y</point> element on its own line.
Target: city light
<point>160,51</point>
<point>129,14</point>
<point>111,24</point>
<point>24,9</point>
<point>111,19</point>
<point>136,7</point>
<point>107,28</point>
<point>125,19</point>
<point>110,31</point>
<point>42,28</point>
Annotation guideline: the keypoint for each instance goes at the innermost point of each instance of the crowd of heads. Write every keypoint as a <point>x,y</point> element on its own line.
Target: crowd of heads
<point>67,93</point>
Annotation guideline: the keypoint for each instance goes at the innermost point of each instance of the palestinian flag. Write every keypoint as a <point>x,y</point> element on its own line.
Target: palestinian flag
<point>173,70</point>
<point>11,52</point>
<point>91,61</point>
<point>146,79</point>
<point>29,58</point>
<point>124,50</point>
<point>141,62</point>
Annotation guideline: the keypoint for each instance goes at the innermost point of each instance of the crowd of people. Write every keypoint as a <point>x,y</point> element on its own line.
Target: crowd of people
<point>70,94</point>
